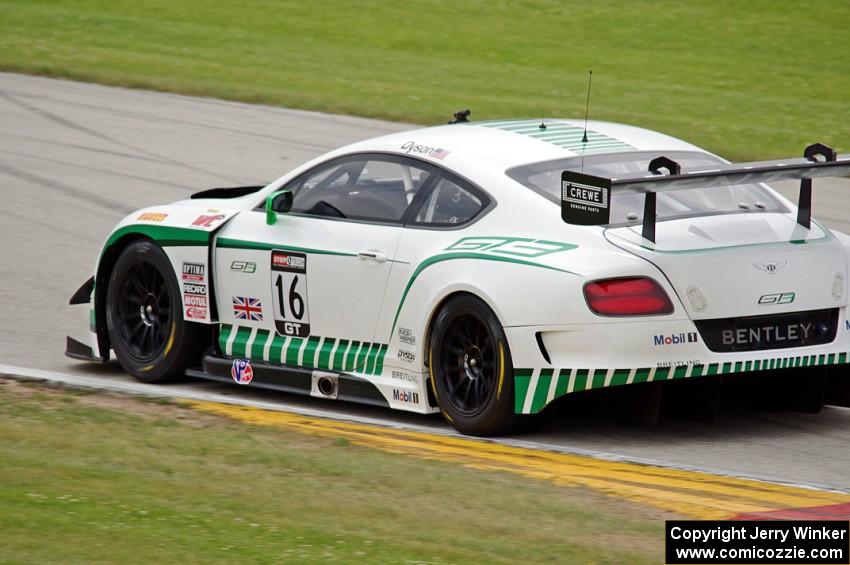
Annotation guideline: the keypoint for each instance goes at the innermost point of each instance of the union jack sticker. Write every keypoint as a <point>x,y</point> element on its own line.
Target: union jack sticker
<point>247,308</point>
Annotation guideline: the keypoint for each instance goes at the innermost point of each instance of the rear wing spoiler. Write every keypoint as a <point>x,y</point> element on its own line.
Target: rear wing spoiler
<point>586,199</point>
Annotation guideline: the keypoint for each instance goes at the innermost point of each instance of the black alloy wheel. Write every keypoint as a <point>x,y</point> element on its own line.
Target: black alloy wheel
<point>143,310</point>
<point>467,362</point>
<point>470,368</point>
<point>144,316</point>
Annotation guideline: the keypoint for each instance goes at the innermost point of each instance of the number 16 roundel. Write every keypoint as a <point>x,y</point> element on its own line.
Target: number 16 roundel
<point>289,289</point>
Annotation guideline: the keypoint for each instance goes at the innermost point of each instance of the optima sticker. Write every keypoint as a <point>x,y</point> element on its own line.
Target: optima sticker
<point>193,272</point>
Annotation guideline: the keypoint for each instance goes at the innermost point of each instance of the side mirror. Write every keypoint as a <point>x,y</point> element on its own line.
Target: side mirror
<point>278,201</point>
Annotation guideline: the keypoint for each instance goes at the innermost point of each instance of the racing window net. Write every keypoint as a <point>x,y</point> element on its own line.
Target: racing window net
<point>544,178</point>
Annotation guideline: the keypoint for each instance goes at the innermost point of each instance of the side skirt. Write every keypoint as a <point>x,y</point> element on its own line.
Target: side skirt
<point>297,380</point>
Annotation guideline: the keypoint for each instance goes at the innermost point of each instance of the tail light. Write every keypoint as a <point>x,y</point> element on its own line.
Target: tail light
<point>635,296</point>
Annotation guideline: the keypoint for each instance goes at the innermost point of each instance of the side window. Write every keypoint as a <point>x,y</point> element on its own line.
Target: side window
<point>450,203</point>
<point>361,189</point>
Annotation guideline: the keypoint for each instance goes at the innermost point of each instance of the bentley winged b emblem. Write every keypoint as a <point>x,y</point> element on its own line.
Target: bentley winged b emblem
<point>770,267</point>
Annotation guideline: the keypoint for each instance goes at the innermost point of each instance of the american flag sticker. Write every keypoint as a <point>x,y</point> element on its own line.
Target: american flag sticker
<point>247,308</point>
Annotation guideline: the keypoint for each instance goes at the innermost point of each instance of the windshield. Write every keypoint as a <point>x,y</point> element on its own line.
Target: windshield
<point>627,207</point>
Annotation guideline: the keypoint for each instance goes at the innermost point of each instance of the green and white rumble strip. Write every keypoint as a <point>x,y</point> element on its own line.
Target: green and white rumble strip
<point>314,352</point>
<point>535,388</point>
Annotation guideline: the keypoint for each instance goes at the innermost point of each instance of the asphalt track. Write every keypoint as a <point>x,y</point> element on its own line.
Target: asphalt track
<point>75,158</point>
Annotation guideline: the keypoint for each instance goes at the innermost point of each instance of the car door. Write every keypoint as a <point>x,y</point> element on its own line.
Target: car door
<point>434,227</point>
<point>308,289</point>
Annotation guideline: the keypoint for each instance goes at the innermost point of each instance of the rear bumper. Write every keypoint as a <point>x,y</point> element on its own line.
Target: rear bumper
<point>593,356</point>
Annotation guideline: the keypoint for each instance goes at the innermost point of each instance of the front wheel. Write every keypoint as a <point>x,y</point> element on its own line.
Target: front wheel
<point>144,314</point>
<point>471,369</point>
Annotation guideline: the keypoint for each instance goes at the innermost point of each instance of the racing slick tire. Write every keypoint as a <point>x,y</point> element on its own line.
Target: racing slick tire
<point>471,369</point>
<point>144,315</point>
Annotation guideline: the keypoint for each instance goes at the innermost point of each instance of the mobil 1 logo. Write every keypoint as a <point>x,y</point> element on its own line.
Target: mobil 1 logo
<point>289,289</point>
<point>585,199</point>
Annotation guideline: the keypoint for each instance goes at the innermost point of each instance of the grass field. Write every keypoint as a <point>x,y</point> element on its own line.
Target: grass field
<point>96,478</point>
<point>746,79</point>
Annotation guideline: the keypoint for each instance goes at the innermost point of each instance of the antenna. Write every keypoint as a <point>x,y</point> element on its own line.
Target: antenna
<point>587,107</point>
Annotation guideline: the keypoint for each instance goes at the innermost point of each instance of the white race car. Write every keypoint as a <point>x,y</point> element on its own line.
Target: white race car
<point>482,270</point>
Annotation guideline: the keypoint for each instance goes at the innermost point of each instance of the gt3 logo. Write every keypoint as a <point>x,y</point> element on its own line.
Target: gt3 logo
<point>779,298</point>
<point>243,266</point>
<point>513,246</point>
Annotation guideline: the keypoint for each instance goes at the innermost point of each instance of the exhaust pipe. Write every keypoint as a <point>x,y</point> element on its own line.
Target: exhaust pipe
<point>325,385</point>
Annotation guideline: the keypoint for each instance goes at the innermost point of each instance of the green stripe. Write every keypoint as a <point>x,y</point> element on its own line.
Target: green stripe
<point>462,255</point>
<point>325,353</point>
<point>522,380</point>
<point>563,382</point>
<point>351,355</point>
<point>581,380</point>
<point>661,374</point>
<point>542,391</point>
<point>277,353</point>
<point>309,357</point>
<point>242,335</point>
<point>166,236</point>
<point>379,368</point>
<point>339,355</point>
<point>223,335</point>
<point>361,355</point>
<point>599,378</point>
<point>370,360</point>
<point>556,131</point>
<point>228,243</point>
<point>292,350</point>
<point>259,344</point>
<point>620,377</point>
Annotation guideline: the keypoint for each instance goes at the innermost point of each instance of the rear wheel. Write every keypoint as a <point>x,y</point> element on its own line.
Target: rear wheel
<point>144,314</point>
<point>471,368</point>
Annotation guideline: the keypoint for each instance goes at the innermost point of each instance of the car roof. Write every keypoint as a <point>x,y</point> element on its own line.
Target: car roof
<point>508,143</point>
